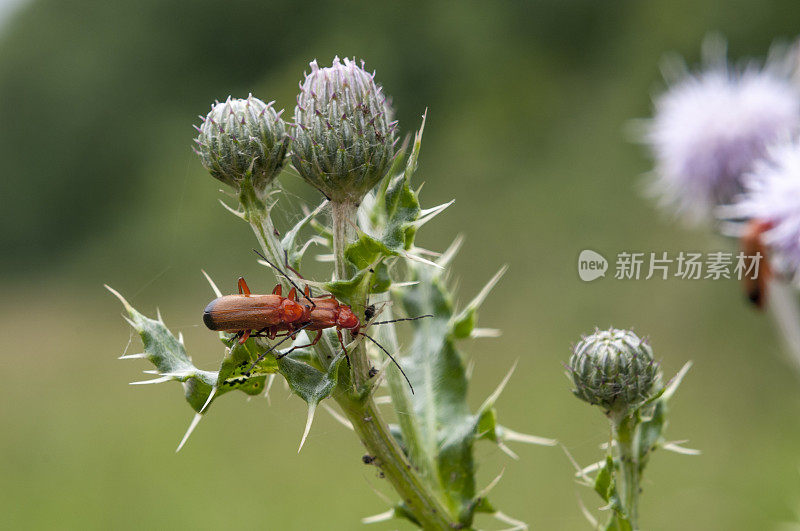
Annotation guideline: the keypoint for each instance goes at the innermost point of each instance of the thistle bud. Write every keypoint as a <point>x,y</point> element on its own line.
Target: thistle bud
<point>240,138</point>
<point>614,369</point>
<point>344,136</point>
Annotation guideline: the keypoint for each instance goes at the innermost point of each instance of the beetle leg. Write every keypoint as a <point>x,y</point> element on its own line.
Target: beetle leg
<point>273,332</point>
<point>243,289</point>
<point>292,294</point>
<point>278,290</point>
<point>259,333</point>
<point>314,342</point>
<point>245,335</point>
<point>344,349</point>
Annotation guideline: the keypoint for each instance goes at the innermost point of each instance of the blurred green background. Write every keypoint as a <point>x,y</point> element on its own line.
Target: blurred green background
<point>528,107</point>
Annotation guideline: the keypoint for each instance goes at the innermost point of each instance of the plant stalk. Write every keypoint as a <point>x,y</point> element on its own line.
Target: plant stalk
<point>364,414</point>
<point>257,214</point>
<point>625,432</point>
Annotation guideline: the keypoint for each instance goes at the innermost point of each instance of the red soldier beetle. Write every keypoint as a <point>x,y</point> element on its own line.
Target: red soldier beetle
<point>752,244</point>
<point>270,314</point>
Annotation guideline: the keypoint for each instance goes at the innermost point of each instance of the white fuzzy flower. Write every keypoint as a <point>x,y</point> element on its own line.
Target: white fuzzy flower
<point>772,194</point>
<point>709,128</point>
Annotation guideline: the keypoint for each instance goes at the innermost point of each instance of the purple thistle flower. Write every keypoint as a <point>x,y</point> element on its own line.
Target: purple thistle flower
<point>709,128</point>
<point>772,194</point>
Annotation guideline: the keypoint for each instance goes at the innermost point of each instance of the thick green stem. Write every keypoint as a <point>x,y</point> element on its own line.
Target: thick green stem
<point>378,441</point>
<point>626,436</point>
<point>361,410</point>
<point>343,216</point>
<point>343,220</point>
<point>257,215</point>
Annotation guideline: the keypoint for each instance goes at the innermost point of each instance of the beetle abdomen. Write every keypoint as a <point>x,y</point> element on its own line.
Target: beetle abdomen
<point>234,313</point>
<point>208,316</point>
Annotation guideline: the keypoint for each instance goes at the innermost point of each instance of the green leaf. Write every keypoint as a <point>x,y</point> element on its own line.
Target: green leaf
<point>402,209</point>
<point>167,353</point>
<point>235,373</point>
<point>437,371</point>
<point>169,356</point>
<point>464,323</point>
<point>350,291</point>
<point>483,505</point>
<point>310,384</point>
<point>380,281</point>
<point>651,431</point>
<point>366,250</point>
<point>619,523</point>
<point>606,486</point>
<point>486,426</point>
<point>604,479</point>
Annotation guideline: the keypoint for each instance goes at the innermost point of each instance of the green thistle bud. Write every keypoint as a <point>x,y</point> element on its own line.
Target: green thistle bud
<point>240,138</point>
<point>614,369</point>
<point>343,135</point>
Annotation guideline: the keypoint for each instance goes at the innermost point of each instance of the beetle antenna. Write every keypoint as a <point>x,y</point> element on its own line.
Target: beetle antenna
<point>273,347</point>
<point>404,319</point>
<point>391,358</point>
<point>282,272</point>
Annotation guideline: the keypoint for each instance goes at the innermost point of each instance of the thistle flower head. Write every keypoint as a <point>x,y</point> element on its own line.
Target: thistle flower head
<point>614,369</point>
<point>242,137</point>
<point>772,194</point>
<point>709,128</point>
<point>344,136</point>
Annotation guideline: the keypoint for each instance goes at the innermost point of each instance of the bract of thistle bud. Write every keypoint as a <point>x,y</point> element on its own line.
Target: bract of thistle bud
<point>709,128</point>
<point>344,134</point>
<point>242,137</point>
<point>614,369</point>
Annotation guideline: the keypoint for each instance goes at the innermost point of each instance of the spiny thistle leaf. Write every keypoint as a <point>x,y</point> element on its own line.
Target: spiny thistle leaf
<point>169,356</point>
<point>348,290</point>
<point>605,485</point>
<point>464,322</point>
<point>437,372</point>
<point>603,482</point>
<point>235,373</point>
<point>653,425</point>
<point>487,427</point>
